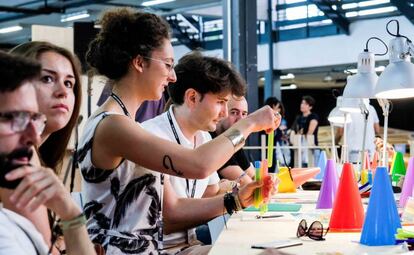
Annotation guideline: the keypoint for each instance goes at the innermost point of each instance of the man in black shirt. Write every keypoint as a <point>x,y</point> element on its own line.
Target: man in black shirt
<point>238,167</point>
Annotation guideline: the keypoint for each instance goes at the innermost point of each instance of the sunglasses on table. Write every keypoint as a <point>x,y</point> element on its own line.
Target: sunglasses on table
<point>315,231</point>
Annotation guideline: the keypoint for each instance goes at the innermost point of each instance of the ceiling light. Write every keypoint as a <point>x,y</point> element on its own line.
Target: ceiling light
<point>287,76</point>
<point>74,16</point>
<point>155,2</point>
<point>291,86</point>
<point>10,29</point>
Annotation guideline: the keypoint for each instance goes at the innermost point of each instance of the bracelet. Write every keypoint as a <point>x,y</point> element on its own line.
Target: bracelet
<point>236,138</point>
<point>229,203</point>
<point>76,222</point>
<point>239,207</point>
<point>238,179</point>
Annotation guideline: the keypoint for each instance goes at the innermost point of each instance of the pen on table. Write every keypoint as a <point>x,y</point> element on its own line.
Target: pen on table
<point>269,216</point>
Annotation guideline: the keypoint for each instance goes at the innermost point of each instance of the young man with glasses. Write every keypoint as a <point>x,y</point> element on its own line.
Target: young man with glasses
<point>30,186</point>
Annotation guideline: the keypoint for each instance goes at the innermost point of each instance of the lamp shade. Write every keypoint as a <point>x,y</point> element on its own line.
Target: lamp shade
<point>362,84</point>
<point>350,104</point>
<point>397,80</point>
<point>336,116</point>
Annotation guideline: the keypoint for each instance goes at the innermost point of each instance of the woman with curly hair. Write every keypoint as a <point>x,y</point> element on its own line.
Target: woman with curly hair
<point>123,196</point>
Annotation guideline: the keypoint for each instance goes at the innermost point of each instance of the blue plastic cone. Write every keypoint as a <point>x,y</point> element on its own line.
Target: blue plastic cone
<point>321,164</point>
<point>381,220</point>
<point>329,185</point>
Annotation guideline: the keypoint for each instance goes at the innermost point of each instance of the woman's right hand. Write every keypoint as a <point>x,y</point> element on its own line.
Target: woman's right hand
<point>264,119</point>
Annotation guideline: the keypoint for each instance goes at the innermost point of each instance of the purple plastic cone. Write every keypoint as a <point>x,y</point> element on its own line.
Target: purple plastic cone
<point>407,190</point>
<point>329,186</point>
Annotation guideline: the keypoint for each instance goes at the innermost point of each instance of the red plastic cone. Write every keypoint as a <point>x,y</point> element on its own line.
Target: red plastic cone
<point>347,213</point>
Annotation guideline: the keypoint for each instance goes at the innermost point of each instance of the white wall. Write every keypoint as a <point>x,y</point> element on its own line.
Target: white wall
<point>324,51</point>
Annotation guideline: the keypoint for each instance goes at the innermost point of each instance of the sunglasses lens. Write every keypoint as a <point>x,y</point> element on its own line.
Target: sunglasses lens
<point>301,229</point>
<point>316,231</point>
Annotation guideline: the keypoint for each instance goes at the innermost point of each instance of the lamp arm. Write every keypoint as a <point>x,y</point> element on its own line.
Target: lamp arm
<point>385,105</point>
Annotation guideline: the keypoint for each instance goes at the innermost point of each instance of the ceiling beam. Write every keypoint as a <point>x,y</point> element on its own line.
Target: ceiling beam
<point>337,18</point>
<point>406,7</point>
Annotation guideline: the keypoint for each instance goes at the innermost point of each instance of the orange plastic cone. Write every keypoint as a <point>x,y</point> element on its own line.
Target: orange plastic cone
<point>302,175</point>
<point>347,213</point>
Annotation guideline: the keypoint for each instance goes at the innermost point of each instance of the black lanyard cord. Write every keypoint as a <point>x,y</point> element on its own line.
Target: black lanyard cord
<point>178,141</point>
<point>121,104</point>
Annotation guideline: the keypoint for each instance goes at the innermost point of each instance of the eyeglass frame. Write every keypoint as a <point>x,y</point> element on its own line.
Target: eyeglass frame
<point>169,66</point>
<point>306,231</point>
<point>33,116</point>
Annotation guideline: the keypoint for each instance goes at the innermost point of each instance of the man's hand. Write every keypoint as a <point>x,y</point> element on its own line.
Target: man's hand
<point>41,186</point>
<point>246,194</point>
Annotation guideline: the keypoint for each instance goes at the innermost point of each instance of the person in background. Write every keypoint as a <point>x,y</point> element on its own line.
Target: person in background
<point>123,165</point>
<point>29,185</point>
<point>355,133</point>
<point>238,167</point>
<point>306,123</point>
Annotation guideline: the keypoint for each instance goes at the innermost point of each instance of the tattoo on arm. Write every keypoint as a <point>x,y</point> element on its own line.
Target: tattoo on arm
<point>167,162</point>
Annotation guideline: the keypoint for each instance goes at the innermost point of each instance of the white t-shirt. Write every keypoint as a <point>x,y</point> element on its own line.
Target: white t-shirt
<point>355,133</point>
<point>18,235</point>
<point>160,126</point>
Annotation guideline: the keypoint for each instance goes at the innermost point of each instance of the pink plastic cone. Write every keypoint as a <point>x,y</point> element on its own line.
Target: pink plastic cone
<point>407,190</point>
<point>329,185</point>
<point>366,165</point>
<point>374,163</point>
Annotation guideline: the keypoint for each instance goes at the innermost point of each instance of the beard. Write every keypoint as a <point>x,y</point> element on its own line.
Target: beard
<point>7,164</point>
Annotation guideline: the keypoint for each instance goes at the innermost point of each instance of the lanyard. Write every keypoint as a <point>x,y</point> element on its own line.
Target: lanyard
<point>121,104</point>
<point>159,223</point>
<point>178,141</point>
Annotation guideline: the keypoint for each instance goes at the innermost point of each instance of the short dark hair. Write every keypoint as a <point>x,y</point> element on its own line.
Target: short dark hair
<point>273,101</point>
<point>309,100</point>
<point>205,75</point>
<point>125,34</point>
<point>15,70</point>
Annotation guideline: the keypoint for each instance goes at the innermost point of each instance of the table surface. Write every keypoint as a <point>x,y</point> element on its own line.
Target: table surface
<point>244,230</point>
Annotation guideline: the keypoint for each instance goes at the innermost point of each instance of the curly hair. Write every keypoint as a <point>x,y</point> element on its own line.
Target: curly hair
<point>53,149</point>
<point>125,34</point>
<point>205,75</point>
<point>15,70</point>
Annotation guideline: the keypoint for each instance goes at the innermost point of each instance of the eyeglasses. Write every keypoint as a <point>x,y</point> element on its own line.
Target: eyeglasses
<point>315,230</point>
<point>17,121</point>
<point>169,66</point>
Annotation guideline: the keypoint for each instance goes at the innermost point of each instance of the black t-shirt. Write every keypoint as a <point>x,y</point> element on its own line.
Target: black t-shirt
<point>303,122</point>
<point>238,159</point>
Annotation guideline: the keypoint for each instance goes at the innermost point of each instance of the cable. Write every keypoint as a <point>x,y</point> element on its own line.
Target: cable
<point>398,30</point>
<point>376,38</point>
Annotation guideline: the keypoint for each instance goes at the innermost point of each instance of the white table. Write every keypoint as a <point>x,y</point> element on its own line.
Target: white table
<point>244,230</point>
